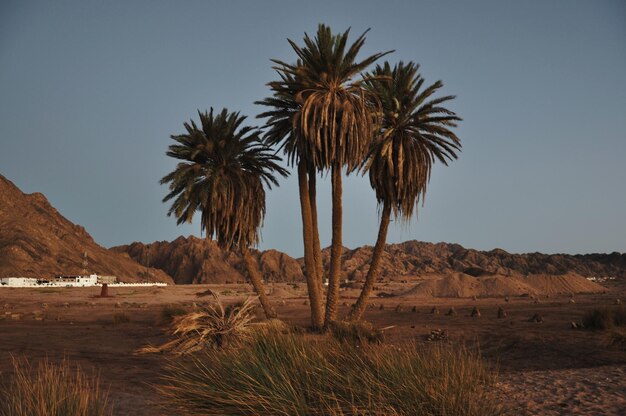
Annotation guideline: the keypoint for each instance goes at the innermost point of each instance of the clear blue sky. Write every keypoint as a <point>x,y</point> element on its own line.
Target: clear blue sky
<point>91,90</point>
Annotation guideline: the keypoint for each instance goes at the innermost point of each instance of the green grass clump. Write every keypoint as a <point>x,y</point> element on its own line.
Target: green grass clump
<point>605,318</point>
<point>286,374</point>
<point>51,390</point>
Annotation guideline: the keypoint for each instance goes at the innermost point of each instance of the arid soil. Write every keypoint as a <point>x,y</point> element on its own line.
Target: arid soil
<point>544,368</point>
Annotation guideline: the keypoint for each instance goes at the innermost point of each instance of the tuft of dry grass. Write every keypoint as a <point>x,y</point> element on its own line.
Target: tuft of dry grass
<point>168,313</point>
<point>52,390</point>
<point>356,333</point>
<point>211,326</point>
<point>605,318</point>
<point>120,318</point>
<point>287,374</point>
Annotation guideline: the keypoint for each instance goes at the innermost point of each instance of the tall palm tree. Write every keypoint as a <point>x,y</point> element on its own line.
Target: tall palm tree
<point>222,175</point>
<point>415,132</point>
<point>323,120</point>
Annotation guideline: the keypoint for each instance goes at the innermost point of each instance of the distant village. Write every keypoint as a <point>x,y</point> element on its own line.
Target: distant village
<point>70,281</point>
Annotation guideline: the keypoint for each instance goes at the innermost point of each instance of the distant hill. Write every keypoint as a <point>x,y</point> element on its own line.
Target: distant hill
<point>195,260</point>
<point>416,258</point>
<point>37,241</point>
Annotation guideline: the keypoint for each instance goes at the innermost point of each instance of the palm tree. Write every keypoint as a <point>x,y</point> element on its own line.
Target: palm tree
<point>322,119</point>
<point>222,175</point>
<point>414,134</point>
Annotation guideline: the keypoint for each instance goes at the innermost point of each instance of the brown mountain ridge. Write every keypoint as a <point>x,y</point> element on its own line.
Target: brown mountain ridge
<point>195,260</point>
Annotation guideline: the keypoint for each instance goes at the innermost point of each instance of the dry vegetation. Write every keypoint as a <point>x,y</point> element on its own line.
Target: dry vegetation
<point>213,325</point>
<point>52,390</point>
<point>285,374</point>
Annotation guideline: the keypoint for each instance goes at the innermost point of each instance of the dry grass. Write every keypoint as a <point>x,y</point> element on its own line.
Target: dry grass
<point>211,326</point>
<point>51,390</point>
<point>356,333</point>
<point>286,374</point>
<point>168,313</point>
<point>120,318</point>
<point>605,318</point>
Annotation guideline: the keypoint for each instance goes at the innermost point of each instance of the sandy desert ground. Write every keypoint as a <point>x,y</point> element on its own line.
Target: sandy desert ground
<point>544,368</point>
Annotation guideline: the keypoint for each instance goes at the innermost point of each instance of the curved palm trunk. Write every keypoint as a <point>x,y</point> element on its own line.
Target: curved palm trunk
<point>372,273</point>
<point>336,248</point>
<point>317,249</point>
<point>315,296</point>
<point>257,283</point>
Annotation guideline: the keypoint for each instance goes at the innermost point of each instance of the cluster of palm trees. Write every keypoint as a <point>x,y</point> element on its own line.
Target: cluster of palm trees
<point>327,116</point>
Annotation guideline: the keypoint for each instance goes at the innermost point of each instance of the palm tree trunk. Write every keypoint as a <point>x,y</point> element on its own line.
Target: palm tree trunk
<point>372,273</point>
<point>317,249</point>
<point>315,296</point>
<point>336,248</point>
<point>257,283</point>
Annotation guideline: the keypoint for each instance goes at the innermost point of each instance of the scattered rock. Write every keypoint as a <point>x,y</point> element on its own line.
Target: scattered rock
<point>437,335</point>
<point>475,313</point>
<point>44,305</point>
<point>572,300</point>
<point>574,325</point>
<point>282,302</point>
<point>306,302</point>
<point>399,308</point>
<point>451,312</point>
<point>6,306</point>
<point>501,313</point>
<point>381,307</point>
<point>65,304</point>
<point>617,302</point>
<point>434,311</point>
<point>506,299</point>
<point>536,318</point>
<point>118,305</point>
<point>474,297</point>
<point>16,316</point>
<point>414,309</point>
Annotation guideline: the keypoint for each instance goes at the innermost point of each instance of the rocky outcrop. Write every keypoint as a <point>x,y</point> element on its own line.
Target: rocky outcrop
<point>415,258</point>
<point>37,241</point>
<point>195,260</point>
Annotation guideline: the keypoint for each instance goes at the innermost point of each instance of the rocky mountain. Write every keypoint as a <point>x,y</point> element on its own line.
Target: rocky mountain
<point>37,241</point>
<point>415,258</point>
<point>195,260</point>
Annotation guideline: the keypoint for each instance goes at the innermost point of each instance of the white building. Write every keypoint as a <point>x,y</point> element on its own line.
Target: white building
<point>18,281</point>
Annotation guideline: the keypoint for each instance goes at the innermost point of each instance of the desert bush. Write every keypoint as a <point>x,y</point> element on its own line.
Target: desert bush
<point>287,374</point>
<point>617,338</point>
<point>120,318</point>
<point>210,326</point>
<point>51,390</point>
<point>605,318</point>
<point>356,333</point>
<point>168,313</point>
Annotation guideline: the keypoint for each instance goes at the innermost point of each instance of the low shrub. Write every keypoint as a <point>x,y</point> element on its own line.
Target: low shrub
<point>287,374</point>
<point>120,318</point>
<point>168,313</point>
<point>51,390</point>
<point>605,318</point>
<point>210,326</point>
<point>356,332</point>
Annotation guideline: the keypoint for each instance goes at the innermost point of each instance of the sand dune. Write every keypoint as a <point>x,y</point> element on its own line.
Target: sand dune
<point>462,286</point>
